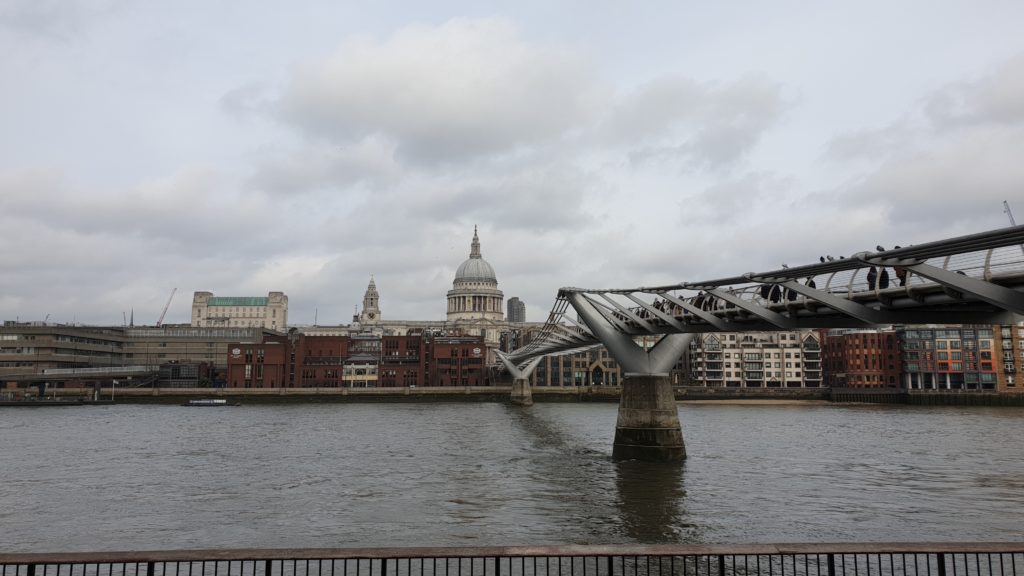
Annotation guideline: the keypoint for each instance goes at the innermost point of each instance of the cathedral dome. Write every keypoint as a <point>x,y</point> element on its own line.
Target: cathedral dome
<point>475,269</point>
<point>474,296</point>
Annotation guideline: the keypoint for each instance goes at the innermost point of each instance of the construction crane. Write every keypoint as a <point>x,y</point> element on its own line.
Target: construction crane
<point>1006,208</point>
<point>166,306</point>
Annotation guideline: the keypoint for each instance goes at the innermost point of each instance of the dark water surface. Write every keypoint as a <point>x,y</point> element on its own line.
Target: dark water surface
<point>143,477</point>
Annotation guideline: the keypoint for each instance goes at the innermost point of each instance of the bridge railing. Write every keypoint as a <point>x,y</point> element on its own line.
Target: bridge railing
<point>881,559</point>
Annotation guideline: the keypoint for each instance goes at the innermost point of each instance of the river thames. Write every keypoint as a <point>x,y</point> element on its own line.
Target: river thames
<point>130,477</point>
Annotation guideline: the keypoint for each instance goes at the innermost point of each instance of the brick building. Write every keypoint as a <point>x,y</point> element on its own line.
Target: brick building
<point>861,358</point>
<point>261,364</point>
<point>358,361</point>
<point>402,361</point>
<point>456,361</point>
<point>949,357</point>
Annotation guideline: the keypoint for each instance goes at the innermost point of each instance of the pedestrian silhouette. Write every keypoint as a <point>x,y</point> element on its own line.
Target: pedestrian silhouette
<point>901,275</point>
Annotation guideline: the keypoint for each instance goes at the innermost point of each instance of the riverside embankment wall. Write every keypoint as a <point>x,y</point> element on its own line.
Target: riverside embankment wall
<point>438,394</point>
<point>540,394</point>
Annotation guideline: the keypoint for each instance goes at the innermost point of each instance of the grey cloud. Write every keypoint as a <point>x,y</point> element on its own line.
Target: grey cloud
<point>536,198</point>
<point>948,163</point>
<point>710,125</point>
<point>247,100</point>
<point>994,99</point>
<point>872,144</point>
<point>962,178</point>
<point>732,199</point>
<point>185,210</point>
<point>997,98</point>
<point>944,167</point>
<point>318,166</point>
<point>460,90</point>
<point>59,20</point>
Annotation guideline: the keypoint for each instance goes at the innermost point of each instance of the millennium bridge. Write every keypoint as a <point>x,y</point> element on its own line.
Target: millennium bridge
<point>975,279</point>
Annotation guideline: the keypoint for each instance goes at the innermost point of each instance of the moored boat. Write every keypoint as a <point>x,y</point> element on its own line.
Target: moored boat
<point>210,402</point>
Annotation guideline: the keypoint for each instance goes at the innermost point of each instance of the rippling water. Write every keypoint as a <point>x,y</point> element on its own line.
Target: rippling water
<point>137,477</point>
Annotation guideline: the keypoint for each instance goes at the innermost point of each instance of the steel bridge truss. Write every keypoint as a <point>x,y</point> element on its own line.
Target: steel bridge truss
<point>975,279</point>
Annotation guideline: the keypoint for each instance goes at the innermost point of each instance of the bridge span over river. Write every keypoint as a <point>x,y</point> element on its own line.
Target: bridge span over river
<point>976,279</point>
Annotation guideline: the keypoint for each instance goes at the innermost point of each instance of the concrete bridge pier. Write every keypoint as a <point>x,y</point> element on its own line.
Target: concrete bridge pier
<point>648,426</point>
<point>522,392</point>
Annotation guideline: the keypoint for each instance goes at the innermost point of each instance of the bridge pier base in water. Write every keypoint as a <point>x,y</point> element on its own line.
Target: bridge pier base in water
<point>648,424</point>
<point>522,393</point>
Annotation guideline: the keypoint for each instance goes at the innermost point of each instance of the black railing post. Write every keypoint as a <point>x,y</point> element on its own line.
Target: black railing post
<point>497,566</point>
<point>31,570</point>
<point>831,565</point>
<point>150,568</point>
<point>721,565</point>
<point>942,563</point>
<point>266,568</point>
<point>384,567</point>
<point>611,566</point>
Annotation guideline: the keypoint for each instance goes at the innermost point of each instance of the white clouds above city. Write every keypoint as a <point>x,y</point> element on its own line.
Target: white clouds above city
<point>243,148</point>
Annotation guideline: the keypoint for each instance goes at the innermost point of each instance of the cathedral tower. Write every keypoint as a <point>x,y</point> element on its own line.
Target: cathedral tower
<point>371,305</point>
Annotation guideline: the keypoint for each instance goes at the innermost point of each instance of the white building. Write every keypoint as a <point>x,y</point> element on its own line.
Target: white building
<point>269,311</point>
<point>756,360</point>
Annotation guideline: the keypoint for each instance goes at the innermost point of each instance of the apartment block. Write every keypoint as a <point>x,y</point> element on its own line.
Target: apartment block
<point>861,358</point>
<point>756,360</point>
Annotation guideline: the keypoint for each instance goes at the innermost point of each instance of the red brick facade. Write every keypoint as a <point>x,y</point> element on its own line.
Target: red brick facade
<point>457,361</point>
<point>358,361</point>
<point>861,359</point>
<point>258,365</point>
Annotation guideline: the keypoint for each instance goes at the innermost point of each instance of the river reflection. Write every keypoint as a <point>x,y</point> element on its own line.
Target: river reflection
<point>650,501</point>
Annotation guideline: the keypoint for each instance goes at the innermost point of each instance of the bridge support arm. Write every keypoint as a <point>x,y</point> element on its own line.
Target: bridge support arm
<point>621,346</point>
<point>769,316</point>
<point>516,371</point>
<point>858,311</point>
<point>632,358</point>
<point>522,393</point>
<point>994,294</point>
<point>706,316</point>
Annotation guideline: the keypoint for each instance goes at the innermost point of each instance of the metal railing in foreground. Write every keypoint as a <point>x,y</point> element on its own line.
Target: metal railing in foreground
<point>880,559</point>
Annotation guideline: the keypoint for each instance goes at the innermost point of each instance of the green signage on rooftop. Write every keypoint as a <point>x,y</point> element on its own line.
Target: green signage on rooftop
<point>238,301</point>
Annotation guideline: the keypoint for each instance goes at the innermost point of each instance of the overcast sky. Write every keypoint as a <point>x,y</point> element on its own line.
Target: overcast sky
<point>242,147</point>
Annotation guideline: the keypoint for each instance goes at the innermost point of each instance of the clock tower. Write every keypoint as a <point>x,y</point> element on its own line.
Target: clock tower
<point>371,305</point>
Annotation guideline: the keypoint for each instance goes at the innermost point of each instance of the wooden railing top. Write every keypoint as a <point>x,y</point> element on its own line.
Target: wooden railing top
<point>251,554</point>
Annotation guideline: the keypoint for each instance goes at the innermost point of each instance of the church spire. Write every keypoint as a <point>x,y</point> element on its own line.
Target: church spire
<point>371,303</point>
<point>474,251</point>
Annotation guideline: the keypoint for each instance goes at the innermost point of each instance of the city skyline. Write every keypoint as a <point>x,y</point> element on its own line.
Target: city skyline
<point>226,149</point>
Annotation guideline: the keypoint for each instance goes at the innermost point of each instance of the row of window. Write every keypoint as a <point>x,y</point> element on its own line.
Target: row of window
<point>758,375</point>
<point>949,333</point>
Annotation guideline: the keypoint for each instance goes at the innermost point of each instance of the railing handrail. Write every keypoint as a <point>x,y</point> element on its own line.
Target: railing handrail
<point>250,554</point>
